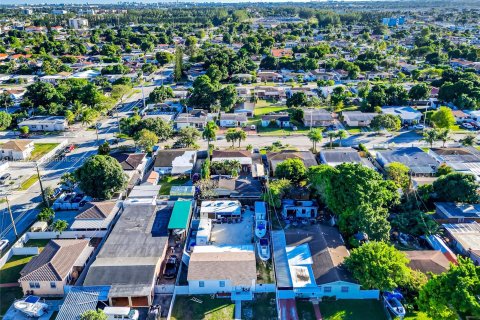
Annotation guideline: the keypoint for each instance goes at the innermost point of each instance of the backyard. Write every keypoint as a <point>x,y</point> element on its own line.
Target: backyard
<point>41,149</point>
<point>168,182</point>
<point>204,307</point>
<point>352,310</point>
<point>263,307</point>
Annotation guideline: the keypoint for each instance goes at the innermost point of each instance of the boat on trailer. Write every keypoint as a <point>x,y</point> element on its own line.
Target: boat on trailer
<point>393,304</point>
<point>263,248</point>
<point>31,306</point>
<point>260,219</point>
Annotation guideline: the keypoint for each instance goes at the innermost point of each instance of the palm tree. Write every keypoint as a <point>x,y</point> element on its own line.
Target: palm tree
<point>430,136</point>
<point>88,116</point>
<point>241,136</point>
<point>209,133</point>
<point>331,135</point>
<point>444,135</point>
<point>341,134</point>
<point>315,135</point>
<point>231,136</point>
<point>468,140</point>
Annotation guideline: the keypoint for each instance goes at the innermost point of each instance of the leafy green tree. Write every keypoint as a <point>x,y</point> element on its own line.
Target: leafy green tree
<point>444,169</point>
<point>398,173</point>
<point>456,187</point>
<point>315,135</point>
<point>387,122</point>
<point>93,315</point>
<point>419,91</point>
<point>231,136</point>
<point>188,137</point>
<point>5,120</point>
<point>68,181</point>
<point>443,118</point>
<point>228,97</point>
<point>209,133</point>
<point>206,169</point>
<point>164,57</point>
<point>298,99</point>
<point>204,92</point>
<point>415,223</point>
<point>146,139</point>
<point>452,293</point>
<point>104,149</point>
<point>42,94</point>
<point>160,94</point>
<point>47,215</point>
<point>469,140</point>
<point>59,226</point>
<point>6,100</point>
<point>178,70</point>
<point>291,169</point>
<point>430,136</point>
<point>161,128</point>
<point>276,190</point>
<point>444,135</point>
<point>378,265</point>
<point>101,176</point>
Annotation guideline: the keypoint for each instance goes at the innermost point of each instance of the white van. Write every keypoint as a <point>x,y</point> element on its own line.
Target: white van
<point>121,313</point>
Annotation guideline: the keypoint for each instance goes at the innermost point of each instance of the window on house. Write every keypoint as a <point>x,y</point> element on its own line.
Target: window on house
<point>53,285</point>
<point>201,284</point>
<point>34,285</point>
<point>327,289</point>
<point>345,289</point>
<point>222,284</point>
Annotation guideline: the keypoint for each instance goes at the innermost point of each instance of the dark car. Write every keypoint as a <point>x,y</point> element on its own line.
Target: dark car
<point>171,268</point>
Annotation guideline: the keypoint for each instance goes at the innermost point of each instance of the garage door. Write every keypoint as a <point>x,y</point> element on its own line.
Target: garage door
<point>120,302</point>
<point>140,301</point>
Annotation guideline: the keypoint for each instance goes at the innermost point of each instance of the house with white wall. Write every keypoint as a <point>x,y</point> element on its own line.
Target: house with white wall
<point>16,149</point>
<point>233,119</point>
<point>45,123</point>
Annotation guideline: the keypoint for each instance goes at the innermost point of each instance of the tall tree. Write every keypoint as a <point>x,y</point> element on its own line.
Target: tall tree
<point>231,136</point>
<point>93,315</point>
<point>399,173</point>
<point>178,71</point>
<point>291,169</point>
<point>430,136</point>
<point>188,137</point>
<point>341,134</point>
<point>160,94</point>
<point>241,136</point>
<point>209,133</point>
<point>146,139</point>
<point>5,120</point>
<point>419,91</point>
<point>387,122</point>
<point>456,187</point>
<point>331,135</point>
<point>315,135</point>
<point>443,118</point>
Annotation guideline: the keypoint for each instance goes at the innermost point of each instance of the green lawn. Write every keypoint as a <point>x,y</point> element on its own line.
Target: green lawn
<point>41,149</point>
<point>416,315</point>
<point>10,272</point>
<point>39,243</point>
<point>168,182</point>
<point>305,310</point>
<point>25,185</point>
<point>209,309</point>
<point>8,296</point>
<point>352,310</point>
<point>263,307</point>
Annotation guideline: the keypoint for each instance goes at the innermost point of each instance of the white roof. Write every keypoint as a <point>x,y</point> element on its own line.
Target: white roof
<point>145,191</point>
<point>223,248</point>
<point>183,163</point>
<point>467,234</point>
<point>300,264</point>
<point>220,206</point>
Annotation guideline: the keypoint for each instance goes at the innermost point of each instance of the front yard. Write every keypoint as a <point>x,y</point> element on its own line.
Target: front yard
<point>205,308</point>
<point>168,182</point>
<point>41,149</point>
<point>263,307</point>
<point>352,310</point>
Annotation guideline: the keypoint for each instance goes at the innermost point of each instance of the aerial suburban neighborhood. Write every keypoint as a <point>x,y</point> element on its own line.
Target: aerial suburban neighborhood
<point>221,160</point>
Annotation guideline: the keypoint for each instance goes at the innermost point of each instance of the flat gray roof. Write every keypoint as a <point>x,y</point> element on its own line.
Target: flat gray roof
<point>282,270</point>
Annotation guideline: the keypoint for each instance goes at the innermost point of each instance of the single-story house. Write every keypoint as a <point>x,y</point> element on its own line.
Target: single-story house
<point>274,158</point>
<point>131,257</point>
<point>16,149</point>
<point>450,212</point>
<point>281,120</point>
<point>317,118</point>
<point>425,261</point>
<point>175,162</point>
<point>334,157</point>
<point>229,270</point>
<point>465,238</point>
<point>419,162</point>
<point>245,107</point>
<point>59,264</point>
<point>45,123</point>
<point>242,156</point>
<point>357,118</point>
<point>408,115</point>
<point>131,162</point>
<point>233,119</point>
<point>217,209</point>
<point>269,76</point>
<point>299,209</point>
<point>465,159</point>
<point>96,215</point>
<point>461,116</point>
<point>238,188</point>
<point>196,119</point>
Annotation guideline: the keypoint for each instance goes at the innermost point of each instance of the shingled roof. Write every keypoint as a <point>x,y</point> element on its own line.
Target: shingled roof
<point>129,161</point>
<point>16,145</point>
<point>55,261</point>
<point>97,210</point>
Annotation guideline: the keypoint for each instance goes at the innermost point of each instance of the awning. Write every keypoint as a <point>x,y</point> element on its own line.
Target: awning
<point>180,215</point>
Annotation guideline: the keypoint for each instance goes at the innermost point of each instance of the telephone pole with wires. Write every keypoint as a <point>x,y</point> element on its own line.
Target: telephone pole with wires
<point>5,195</point>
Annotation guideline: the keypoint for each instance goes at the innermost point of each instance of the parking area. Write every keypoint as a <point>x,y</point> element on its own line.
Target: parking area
<point>235,233</point>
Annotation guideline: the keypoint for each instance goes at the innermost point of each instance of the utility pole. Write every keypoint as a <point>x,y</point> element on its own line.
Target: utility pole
<point>45,200</point>
<point>11,216</point>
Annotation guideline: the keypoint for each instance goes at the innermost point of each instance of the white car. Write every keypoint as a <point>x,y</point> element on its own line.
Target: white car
<point>418,127</point>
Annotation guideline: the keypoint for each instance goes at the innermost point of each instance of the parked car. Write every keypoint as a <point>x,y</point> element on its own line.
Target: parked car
<point>467,125</point>
<point>56,193</point>
<point>418,127</point>
<point>5,177</point>
<point>171,268</point>
<point>4,244</point>
<point>69,148</point>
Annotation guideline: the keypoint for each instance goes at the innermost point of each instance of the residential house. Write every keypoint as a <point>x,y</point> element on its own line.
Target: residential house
<point>299,209</point>
<point>408,115</point>
<point>335,157</point>
<point>274,158</point>
<point>242,156</point>
<point>317,118</point>
<point>130,259</point>
<point>270,93</point>
<point>217,209</point>
<point>16,149</point>
<point>281,53</point>
<point>133,164</point>
<point>45,123</point>
<point>96,215</point>
<point>465,159</point>
<point>58,265</point>
<point>196,119</point>
<point>465,239</point>
<point>245,107</point>
<point>427,261</point>
<point>232,119</point>
<point>419,162</point>
<point>227,270</point>
<point>450,212</point>
<point>357,118</point>
<point>321,74</point>
<point>281,120</point>
<point>461,116</point>
<point>144,193</point>
<point>175,162</point>
<point>269,76</point>
<point>239,188</point>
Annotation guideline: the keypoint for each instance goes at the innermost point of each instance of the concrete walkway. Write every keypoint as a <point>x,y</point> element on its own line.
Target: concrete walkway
<point>316,308</point>
<point>238,310</point>
<point>9,285</point>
